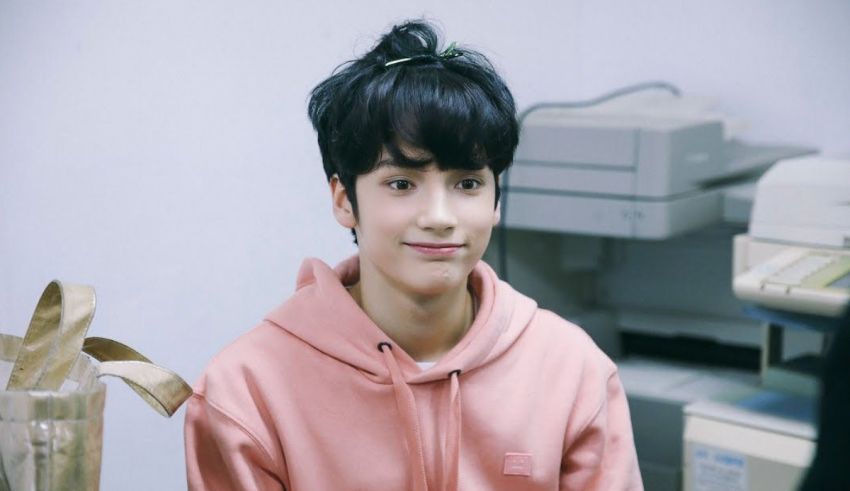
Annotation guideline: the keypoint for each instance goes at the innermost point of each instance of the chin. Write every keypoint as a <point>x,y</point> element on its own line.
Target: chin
<point>431,283</point>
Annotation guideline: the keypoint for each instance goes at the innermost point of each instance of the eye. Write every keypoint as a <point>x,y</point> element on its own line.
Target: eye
<point>469,184</point>
<point>400,184</point>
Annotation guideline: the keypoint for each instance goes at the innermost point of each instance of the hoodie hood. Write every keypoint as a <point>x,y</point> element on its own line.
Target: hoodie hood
<point>323,314</point>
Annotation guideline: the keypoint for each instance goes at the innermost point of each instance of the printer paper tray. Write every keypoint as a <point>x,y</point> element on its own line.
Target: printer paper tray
<point>613,217</point>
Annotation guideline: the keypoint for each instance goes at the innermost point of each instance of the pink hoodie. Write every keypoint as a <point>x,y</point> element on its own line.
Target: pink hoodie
<point>318,398</point>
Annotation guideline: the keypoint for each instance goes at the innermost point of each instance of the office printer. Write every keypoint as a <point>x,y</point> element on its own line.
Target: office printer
<point>796,256</point>
<point>646,166</point>
<point>795,260</point>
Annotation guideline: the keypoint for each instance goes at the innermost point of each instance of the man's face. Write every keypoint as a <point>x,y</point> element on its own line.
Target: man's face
<point>422,230</point>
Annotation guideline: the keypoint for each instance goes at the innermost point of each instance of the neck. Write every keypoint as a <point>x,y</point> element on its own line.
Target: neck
<point>424,326</point>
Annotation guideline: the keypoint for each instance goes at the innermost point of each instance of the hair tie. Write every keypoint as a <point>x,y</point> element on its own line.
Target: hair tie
<point>447,54</point>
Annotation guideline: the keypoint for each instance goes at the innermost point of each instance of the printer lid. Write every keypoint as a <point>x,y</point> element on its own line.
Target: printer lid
<point>804,201</point>
<point>658,109</point>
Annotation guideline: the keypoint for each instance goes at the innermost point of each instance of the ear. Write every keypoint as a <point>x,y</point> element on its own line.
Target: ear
<point>497,213</point>
<point>343,211</point>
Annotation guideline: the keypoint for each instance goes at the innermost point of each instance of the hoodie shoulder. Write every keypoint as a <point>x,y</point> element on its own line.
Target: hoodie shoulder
<point>244,356</point>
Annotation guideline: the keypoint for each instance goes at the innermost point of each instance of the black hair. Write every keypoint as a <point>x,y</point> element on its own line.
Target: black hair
<point>456,108</point>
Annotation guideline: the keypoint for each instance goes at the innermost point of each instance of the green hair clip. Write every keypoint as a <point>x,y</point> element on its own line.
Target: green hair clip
<point>450,52</point>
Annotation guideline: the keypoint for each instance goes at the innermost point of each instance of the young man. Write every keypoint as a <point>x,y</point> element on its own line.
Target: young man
<point>411,366</point>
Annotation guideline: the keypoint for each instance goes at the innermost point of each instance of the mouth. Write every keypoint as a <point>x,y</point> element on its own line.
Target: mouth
<point>434,249</point>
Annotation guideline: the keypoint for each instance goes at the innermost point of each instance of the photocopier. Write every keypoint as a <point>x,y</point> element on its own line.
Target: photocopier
<point>793,265</point>
<point>796,256</point>
<point>648,166</point>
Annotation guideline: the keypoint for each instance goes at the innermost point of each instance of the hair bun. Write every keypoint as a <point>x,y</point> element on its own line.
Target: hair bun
<point>406,40</point>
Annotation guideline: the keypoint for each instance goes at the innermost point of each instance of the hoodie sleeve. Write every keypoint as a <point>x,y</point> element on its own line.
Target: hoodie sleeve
<point>221,454</point>
<point>602,456</point>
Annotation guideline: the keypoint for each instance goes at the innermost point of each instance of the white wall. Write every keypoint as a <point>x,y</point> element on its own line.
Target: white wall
<point>781,65</point>
<point>160,150</point>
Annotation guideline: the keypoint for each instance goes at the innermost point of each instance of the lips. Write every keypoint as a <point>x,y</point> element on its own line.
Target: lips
<point>434,249</point>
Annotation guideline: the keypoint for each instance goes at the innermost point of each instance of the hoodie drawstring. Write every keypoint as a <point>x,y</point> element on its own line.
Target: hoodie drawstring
<point>452,453</point>
<point>406,404</point>
<point>407,408</point>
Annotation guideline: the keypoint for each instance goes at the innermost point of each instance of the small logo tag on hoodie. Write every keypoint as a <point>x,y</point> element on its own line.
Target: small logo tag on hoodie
<point>517,464</point>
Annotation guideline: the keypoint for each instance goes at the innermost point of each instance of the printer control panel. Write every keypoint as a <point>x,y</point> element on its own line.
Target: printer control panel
<point>813,281</point>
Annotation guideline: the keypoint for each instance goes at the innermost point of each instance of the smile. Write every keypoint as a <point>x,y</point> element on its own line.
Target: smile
<point>435,249</point>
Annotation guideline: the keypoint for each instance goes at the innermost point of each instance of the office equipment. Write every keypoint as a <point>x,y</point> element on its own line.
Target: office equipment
<point>762,439</point>
<point>648,168</point>
<point>804,201</point>
<point>795,259</point>
<point>658,393</point>
<point>758,441</point>
<point>801,279</point>
<point>796,256</point>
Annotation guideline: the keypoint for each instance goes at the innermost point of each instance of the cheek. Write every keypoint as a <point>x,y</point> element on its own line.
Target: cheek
<point>480,221</point>
<point>381,218</point>
<point>483,215</point>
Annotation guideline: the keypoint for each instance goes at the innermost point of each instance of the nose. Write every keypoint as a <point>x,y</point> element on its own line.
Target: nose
<point>437,213</point>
